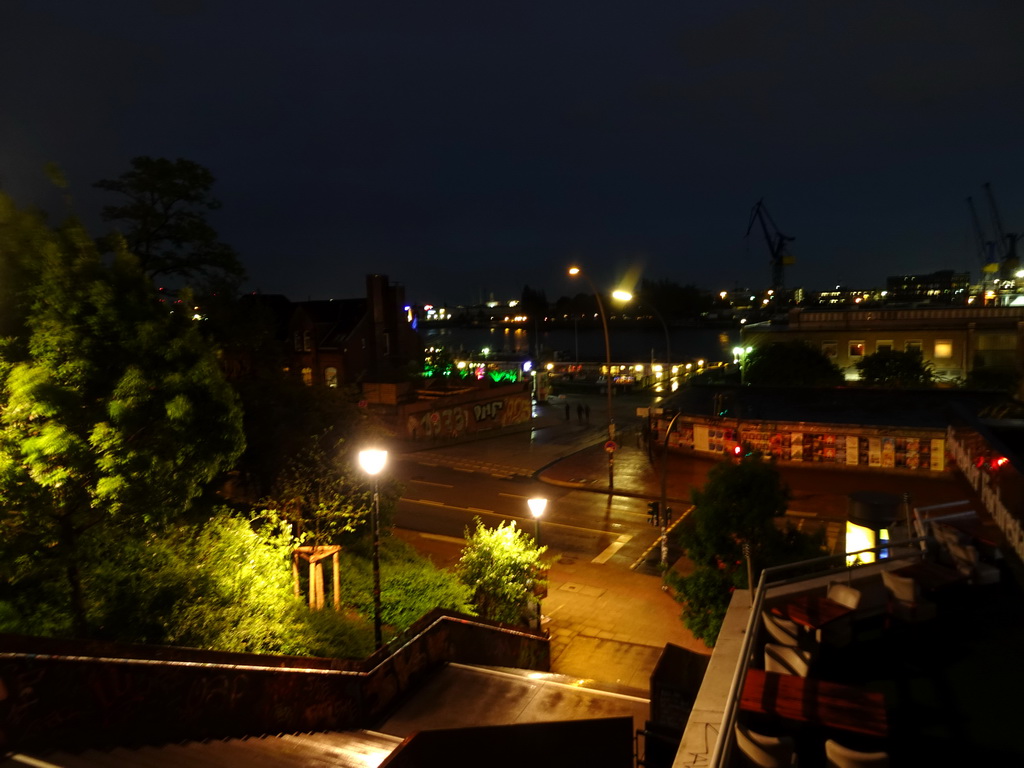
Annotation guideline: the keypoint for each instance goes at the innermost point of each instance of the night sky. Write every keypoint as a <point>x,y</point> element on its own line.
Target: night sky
<point>466,148</point>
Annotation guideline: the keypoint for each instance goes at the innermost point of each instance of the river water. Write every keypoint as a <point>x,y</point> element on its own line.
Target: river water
<point>627,345</point>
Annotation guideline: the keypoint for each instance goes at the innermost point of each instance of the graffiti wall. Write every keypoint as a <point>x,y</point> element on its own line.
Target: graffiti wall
<point>466,414</point>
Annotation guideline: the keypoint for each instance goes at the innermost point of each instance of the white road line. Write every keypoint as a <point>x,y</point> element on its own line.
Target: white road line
<point>426,501</point>
<point>513,495</point>
<point>436,485</point>
<point>612,548</point>
<point>484,511</point>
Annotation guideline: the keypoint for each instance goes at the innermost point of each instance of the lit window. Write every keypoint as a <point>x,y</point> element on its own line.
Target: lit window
<point>856,349</point>
<point>331,377</point>
<point>883,346</point>
<point>306,345</point>
<point>943,349</point>
<point>307,377</point>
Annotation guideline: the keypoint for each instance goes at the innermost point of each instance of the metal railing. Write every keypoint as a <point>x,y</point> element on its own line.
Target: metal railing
<point>906,549</point>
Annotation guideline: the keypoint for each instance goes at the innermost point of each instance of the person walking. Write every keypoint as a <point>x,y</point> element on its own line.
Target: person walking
<point>566,410</point>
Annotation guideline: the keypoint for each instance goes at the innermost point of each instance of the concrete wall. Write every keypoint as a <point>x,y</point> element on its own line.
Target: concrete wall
<point>59,693</point>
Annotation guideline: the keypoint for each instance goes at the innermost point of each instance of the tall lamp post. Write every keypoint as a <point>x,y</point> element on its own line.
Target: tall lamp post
<point>608,381</point>
<point>664,490</point>
<point>537,506</point>
<point>625,296</point>
<point>372,460</point>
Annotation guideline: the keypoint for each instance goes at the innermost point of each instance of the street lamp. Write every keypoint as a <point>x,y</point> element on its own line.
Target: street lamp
<point>664,489</point>
<point>608,381</point>
<point>537,506</point>
<point>372,460</point>
<point>625,296</point>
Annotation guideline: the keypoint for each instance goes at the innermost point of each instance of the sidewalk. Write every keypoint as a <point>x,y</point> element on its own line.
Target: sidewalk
<point>606,622</point>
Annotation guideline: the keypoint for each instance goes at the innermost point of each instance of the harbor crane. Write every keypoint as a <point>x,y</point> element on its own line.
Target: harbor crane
<point>986,247</point>
<point>780,256</point>
<point>1009,262</point>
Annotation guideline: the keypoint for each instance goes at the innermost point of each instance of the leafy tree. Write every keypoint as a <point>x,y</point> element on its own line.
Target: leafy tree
<point>891,368</point>
<point>734,516</point>
<point>501,566</point>
<point>164,220</point>
<point>319,493</point>
<point>672,300</point>
<point>790,364</point>
<point>114,411</point>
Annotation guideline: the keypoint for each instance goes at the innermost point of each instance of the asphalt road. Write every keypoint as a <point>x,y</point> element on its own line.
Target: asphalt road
<point>444,501</point>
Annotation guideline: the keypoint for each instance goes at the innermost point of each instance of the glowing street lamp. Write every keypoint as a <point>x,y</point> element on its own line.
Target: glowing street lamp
<point>372,460</point>
<point>610,378</point>
<point>537,506</point>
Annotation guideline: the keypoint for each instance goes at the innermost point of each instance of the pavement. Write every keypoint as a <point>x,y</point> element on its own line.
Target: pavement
<point>608,623</point>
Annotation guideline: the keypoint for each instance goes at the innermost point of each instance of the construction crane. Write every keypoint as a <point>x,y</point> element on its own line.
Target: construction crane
<point>780,256</point>
<point>986,247</point>
<point>1009,263</point>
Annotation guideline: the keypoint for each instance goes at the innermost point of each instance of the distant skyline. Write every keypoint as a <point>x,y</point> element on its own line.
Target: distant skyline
<point>467,148</point>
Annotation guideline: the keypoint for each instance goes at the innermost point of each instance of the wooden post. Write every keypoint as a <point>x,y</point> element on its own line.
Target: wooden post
<point>335,561</point>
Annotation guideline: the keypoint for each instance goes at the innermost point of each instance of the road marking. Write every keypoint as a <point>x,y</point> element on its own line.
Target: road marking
<point>426,501</point>
<point>513,495</point>
<point>657,542</point>
<point>517,518</point>
<point>463,469</point>
<point>436,485</point>
<point>612,548</point>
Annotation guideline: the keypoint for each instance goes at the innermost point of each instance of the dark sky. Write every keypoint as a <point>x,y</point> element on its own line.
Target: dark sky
<point>467,148</point>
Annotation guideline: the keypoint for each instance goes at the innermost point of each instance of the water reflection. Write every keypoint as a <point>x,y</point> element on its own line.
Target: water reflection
<point>712,344</point>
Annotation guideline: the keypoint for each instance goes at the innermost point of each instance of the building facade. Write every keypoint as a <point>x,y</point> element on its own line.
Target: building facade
<point>954,340</point>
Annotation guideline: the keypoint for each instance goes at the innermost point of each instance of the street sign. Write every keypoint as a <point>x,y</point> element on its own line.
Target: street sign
<point>611,446</point>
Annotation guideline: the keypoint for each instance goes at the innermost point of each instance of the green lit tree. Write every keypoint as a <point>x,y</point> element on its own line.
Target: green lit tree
<point>114,414</point>
<point>502,568</point>
<point>789,364</point>
<point>894,369</point>
<point>735,516</point>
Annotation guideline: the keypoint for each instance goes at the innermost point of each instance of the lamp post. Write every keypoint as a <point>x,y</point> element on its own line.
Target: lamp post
<point>664,490</point>
<point>537,506</point>
<point>608,381</point>
<point>372,460</point>
<point>624,296</point>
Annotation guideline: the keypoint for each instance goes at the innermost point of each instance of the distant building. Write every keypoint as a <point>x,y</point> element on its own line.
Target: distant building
<point>954,340</point>
<point>942,287</point>
<point>354,341</point>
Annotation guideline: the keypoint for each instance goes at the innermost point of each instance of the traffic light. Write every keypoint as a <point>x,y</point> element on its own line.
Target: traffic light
<point>654,513</point>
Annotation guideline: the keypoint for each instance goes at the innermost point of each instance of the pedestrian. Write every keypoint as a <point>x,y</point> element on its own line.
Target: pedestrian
<point>586,413</point>
<point>566,410</point>
<point>579,413</point>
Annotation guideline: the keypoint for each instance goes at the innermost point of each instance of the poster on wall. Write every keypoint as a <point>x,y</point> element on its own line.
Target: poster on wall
<point>700,437</point>
<point>888,451</point>
<point>938,458</point>
<point>874,452</point>
<point>852,449</point>
<point>913,456</point>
